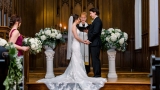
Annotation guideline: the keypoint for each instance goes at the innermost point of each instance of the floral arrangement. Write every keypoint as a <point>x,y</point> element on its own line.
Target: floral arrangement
<point>114,38</point>
<point>34,44</point>
<point>3,42</point>
<point>50,36</point>
<point>14,76</point>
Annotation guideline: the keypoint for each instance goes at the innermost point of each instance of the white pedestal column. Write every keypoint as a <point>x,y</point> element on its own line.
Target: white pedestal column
<point>49,61</point>
<point>111,58</point>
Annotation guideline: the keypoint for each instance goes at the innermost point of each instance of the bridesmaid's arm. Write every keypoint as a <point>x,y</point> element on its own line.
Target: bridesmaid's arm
<point>74,31</point>
<point>13,39</point>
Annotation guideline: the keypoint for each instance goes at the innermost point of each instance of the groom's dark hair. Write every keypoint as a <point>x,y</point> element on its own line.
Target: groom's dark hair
<point>94,10</point>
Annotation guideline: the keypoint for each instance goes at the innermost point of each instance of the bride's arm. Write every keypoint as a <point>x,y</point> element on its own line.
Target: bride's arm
<point>74,31</point>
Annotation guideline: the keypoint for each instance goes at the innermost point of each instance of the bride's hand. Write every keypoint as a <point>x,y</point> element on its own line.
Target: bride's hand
<point>84,42</point>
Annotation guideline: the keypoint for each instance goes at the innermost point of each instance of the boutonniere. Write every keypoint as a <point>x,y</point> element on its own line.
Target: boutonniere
<point>92,21</point>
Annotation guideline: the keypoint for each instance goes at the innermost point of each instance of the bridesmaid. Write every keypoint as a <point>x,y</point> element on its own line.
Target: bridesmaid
<point>15,36</point>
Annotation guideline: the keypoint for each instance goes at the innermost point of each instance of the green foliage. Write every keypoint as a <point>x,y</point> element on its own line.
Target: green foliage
<point>14,76</point>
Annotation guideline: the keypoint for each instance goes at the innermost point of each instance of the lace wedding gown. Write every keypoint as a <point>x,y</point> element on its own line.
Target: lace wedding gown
<point>75,77</point>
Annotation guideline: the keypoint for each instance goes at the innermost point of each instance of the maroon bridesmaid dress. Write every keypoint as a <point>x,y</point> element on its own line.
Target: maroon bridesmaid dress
<point>18,42</point>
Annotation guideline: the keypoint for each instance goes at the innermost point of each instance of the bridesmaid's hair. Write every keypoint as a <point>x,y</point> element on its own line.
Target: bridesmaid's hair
<point>75,17</point>
<point>14,18</point>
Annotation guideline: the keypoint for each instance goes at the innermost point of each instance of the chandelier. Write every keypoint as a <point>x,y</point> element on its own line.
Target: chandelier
<point>6,5</point>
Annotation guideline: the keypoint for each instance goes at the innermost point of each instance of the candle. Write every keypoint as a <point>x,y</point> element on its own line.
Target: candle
<point>64,27</point>
<point>60,25</point>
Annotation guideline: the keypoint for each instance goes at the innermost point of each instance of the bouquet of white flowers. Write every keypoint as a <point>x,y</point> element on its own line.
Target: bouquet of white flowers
<point>114,38</point>
<point>3,42</point>
<point>34,44</point>
<point>50,36</point>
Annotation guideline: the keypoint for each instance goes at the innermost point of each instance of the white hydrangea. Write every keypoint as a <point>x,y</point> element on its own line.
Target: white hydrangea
<point>113,37</point>
<point>3,42</point>
<point>125,36</point>
<point>121,41</point>
<point>59,36</point>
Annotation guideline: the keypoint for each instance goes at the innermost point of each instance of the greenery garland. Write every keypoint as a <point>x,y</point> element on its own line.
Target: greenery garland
<point>14,76</point>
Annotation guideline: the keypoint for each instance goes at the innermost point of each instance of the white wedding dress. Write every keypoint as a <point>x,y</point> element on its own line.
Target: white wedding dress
<point>75,77</point>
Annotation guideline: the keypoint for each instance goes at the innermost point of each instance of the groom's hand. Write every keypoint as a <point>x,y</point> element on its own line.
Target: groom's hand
<point>86,31</point>
<point>87,42</point>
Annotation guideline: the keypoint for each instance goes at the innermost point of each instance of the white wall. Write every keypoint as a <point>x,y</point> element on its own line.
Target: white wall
<point>153,24</point>
<point>138,24</point>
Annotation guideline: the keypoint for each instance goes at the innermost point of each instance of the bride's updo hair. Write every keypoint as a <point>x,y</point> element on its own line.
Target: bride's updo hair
<point>75,17</point>
<point>14,18</point>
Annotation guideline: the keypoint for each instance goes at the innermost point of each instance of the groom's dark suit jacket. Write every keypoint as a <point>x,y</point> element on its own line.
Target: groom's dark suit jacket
<point>94,32</point>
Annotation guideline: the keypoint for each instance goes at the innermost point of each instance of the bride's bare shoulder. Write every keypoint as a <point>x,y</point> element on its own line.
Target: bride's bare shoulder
<point>73,27</point>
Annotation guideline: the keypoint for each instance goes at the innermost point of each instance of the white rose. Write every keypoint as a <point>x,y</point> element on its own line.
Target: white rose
<point>38,51</point>
<point>37,34</point>
<point>110,30</point>
<point>25,40</point>
<point>125,36</point>
<point>107,39</point>
<point>43,37</point>
<point>54,30</point>
<point>53,35</point>
<point>59,36</point>
<point>18,60</point>
<point>33,46</point>
<point>3,42</point>
<point>117,34</point>
<point>117,30</point>
<point>19,66</point>
<point>121,41</point>
<point>119,49</point>
<point>31,40</point>
<point>42,32</point>
<point>48,32</point>
<point>113,37</point>
<point>103,29</point>
<point>102,33</point>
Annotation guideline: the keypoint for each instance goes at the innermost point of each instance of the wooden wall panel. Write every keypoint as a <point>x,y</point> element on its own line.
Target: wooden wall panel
<point>89,6</point>
<point>65,16</point>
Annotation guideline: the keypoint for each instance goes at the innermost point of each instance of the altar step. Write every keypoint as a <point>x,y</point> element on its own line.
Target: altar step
<point>125,81</point>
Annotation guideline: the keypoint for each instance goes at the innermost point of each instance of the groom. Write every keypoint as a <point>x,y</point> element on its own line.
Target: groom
<point>94,41</point>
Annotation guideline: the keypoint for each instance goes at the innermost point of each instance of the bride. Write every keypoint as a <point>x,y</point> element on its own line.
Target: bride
<point>75,77</point>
